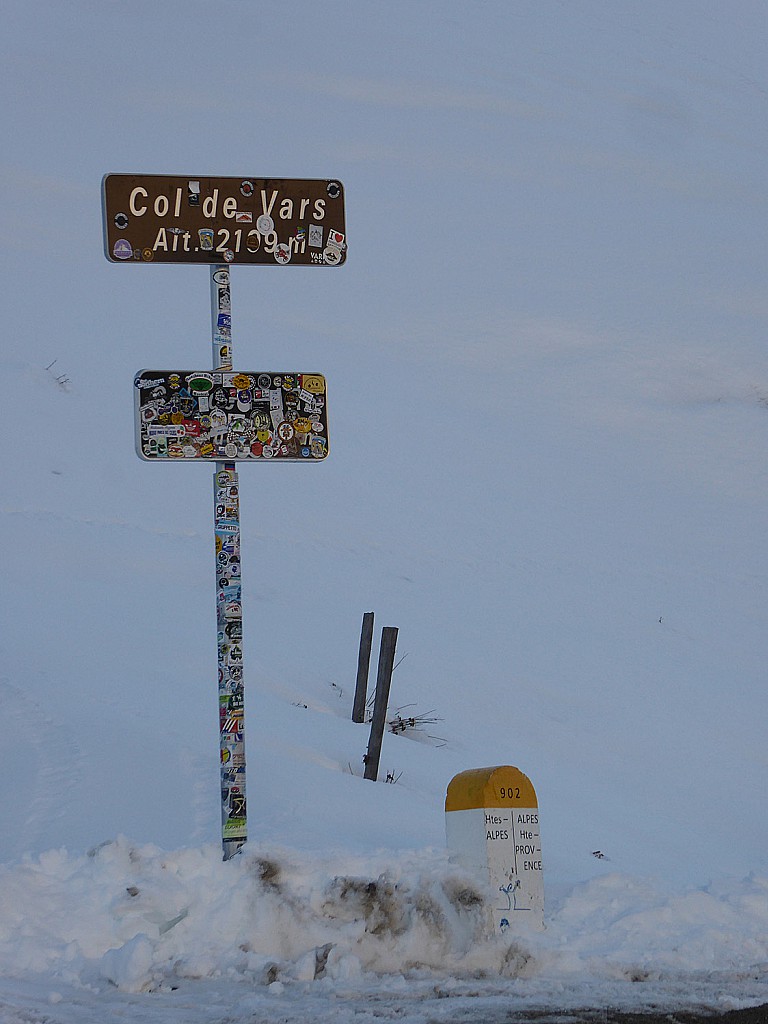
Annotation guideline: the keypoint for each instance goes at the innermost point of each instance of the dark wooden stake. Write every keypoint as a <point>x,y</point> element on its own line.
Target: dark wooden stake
<point>363,662</point>
<point>383,682</point>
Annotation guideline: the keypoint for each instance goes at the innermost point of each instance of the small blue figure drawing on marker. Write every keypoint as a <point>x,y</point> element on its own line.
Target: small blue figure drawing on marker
<point>509,891</point>
<point>503,925</point>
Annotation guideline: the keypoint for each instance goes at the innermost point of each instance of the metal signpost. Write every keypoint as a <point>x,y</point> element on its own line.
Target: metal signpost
<point>229,608</point>
<point>226,416</point>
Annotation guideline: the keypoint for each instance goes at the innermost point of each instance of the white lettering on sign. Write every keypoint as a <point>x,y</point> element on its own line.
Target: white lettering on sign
<point>210,204</point>
<point>179,240</point>
<point>137,211</point>
<point>267,209</point>
<point>163,205</point>
<point>236,240</point>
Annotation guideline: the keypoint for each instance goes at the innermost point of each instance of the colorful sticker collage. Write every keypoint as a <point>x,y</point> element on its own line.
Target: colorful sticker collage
<point>223,415</point>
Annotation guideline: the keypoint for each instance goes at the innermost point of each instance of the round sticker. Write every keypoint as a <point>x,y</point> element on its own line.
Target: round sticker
<point>331,255</point>
<point>333,188</point>
<point>283,253</point>
<point>246,189</point>
<point>253,241</point>
<point>121,221</point>
<point>122,249</point>
<point>221,276</point>
<point>228,255</point>
<point>230,450</point>
<point>264,380</point>
<point>147,255</point>
<point>265,224</point>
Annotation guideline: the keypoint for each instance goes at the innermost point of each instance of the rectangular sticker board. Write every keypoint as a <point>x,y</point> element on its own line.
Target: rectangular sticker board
<point>164,218</point>
<point>230,416</point>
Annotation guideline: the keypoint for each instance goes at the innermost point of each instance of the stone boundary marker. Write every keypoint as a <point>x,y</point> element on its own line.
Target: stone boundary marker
<point>492,828</point>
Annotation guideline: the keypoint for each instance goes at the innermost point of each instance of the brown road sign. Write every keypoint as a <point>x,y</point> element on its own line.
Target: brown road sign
<point>166,218</point>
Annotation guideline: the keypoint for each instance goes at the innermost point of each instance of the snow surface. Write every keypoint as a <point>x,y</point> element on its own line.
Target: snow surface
<point>548,416</point>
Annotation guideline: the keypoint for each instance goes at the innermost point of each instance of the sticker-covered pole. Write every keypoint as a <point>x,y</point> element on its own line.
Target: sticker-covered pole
<point>229,613</point>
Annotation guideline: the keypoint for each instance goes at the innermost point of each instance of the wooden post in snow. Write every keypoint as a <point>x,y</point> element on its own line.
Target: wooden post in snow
<point>363,662</point>
<point>383,682</point>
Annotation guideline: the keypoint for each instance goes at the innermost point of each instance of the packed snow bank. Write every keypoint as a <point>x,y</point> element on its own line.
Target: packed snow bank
<point>138,916</point>
<point>143,919</point>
